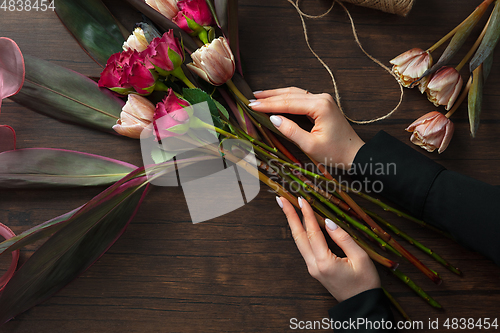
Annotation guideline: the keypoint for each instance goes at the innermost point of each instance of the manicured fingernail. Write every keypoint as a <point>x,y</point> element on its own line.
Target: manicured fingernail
<point>278,200</point>
<point>276,120</point>
<point>257,92</point>
<point>252,100</point>
<point>253,104</point>
<point>301,204</point>
<point>330,224</point>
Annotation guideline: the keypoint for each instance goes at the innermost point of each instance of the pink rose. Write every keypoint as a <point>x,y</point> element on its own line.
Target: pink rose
<point>166,53</point>
<point>171,113</point>
<point>126,72</point>
<point>195,10</point>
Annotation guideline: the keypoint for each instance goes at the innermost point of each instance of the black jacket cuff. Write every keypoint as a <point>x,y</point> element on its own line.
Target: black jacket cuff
<point>387,165</point>
<point>368,311</point>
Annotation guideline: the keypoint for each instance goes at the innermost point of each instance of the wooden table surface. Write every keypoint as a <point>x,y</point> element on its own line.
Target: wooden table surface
<point>242,272</point>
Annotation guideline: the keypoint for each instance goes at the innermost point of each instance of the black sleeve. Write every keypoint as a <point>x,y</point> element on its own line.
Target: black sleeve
<point>368,311</point>
<point>460,205</point>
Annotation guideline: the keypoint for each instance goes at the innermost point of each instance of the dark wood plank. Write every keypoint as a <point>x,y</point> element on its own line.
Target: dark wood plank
<point>242,272</point>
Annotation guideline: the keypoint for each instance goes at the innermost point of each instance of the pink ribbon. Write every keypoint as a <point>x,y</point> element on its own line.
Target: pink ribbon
<point>7,233</point>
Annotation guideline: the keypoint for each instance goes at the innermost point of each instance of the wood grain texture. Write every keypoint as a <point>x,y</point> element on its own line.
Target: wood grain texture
<point>242,272</point>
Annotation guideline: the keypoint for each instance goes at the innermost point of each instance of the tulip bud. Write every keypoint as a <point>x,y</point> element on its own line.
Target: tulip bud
<point>214,62</point>
<point>409,66</point>
<point>444,86</point>
<point>136,115</point>
<point>136,41</point>
<point>167,8</point>
<point>193,16</point>
<point>170,116</point>
<point>432,130</point>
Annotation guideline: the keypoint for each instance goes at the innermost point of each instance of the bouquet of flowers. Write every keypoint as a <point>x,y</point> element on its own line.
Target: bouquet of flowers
<point>170,83</point>
<point>443,84</point>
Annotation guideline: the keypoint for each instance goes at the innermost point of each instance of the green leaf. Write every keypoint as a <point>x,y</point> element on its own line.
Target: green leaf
<point>195,96</point>
<point>222,109</point>
<point>179,128</point>
<point>233,30</point>
<point>86,236</point>
<point>93,26</point>
<point>36,233</point>
<point>475,99</point>
<point>490,39</point>
<point>487,64</point>
<point>44,167</point>
<point>459,38</point>
<point>160,155</point>
<point>221,10</point>
<point>67,96</point>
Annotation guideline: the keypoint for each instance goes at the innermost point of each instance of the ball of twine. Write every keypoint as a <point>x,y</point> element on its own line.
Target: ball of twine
<point>399,7</point>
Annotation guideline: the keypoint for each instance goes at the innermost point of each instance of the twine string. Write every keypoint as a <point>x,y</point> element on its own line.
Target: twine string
<point>334,82</point>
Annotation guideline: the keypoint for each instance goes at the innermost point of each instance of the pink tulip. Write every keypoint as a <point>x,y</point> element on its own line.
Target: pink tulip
<point>410,66</point>
<point>432,130</point>
<point>11,68</point>
<point>167,8</point>
<point>136,115</point>
<point>166,53</point>
<point>214,62</point>
<point>444,86</point>
<point>171,113</point>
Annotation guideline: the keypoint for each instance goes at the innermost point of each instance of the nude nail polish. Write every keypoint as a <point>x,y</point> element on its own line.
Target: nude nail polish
<point>330,224</point>
<point>278,200</point>
<point>276,120</point>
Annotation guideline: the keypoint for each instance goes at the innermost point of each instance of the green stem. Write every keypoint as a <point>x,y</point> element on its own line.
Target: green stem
<point>460,99</point>
<point>473,48</point>
<point>444,39</point>
<point>179,73</point>
<point>255,141</point>
<point>393,210</point>
<point>415,288</point>
<point>237,92</point>
<point>344,216</point>
<point>396,304</point>
<point>258,125</point>
<point>372,253</point>
<point>160,86</point>
<point>452,33</point>
<point>412,241</point>
<point>279,190</point>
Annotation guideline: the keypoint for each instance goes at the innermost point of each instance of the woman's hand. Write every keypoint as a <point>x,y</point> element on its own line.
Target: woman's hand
<point>343,277</point>
<point>332,140</point>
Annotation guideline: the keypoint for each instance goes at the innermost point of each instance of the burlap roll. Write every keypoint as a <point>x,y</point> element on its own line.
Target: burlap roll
<point>399,7</point>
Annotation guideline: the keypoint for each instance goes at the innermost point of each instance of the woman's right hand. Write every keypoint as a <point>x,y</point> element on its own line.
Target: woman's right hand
<point>332,141</point>
<point>343,277</point>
